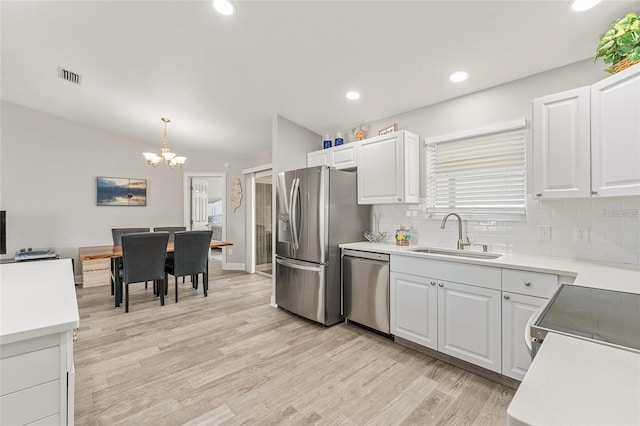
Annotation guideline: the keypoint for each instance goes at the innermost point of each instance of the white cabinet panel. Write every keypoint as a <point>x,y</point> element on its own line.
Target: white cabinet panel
<point>615,134</point>
<point>30,404</point>
<point>516,311</point>
<point>340,157</point>
<point>414,309</point>
<point>469,324</point>
<point>388,169</point>
<point>319,158</point>
<point>529,283</point>
<point>344,156</point>
<point>29,369</point>
<point>482,276</point>
<point>561,144</point>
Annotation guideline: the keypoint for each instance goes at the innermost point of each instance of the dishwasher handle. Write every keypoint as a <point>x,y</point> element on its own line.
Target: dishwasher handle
<point>365,254</point>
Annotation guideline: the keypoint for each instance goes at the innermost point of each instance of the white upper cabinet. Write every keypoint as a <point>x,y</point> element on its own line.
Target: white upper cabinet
<point>587,141</point>
<point>561,144</point>
<point>615,134</point>
<point>340,157</point>
<point>389,169</point>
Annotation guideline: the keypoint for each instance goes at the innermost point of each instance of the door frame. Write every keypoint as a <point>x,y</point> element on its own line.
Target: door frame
<point>254,252</point>
<point>251,223</point>
<point>186,179</point>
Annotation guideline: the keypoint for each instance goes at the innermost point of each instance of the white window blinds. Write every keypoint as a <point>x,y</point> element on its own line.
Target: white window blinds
<point>478,173</point>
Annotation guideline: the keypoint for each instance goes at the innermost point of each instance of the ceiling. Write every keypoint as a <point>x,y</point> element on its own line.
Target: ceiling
<point>221,79</point>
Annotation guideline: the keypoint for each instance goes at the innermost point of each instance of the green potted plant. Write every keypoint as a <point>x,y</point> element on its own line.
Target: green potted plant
<point>620,45</point>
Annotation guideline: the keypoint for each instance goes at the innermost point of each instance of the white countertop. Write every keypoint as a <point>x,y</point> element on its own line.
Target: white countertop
<point>576,382</point>
<point>36,299</point>
<point>588,274</point>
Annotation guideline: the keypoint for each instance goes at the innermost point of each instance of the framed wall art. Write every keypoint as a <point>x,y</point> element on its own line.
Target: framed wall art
<point>121,191</point>
<point>390,129</point>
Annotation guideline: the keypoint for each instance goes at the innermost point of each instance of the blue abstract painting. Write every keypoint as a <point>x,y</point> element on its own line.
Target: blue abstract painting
<point>121,191</point>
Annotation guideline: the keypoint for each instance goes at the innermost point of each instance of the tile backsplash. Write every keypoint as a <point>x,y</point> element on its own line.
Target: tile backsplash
<point>613,226</point>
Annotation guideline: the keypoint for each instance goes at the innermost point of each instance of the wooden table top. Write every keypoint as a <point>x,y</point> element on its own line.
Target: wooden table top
<point>106,252</point>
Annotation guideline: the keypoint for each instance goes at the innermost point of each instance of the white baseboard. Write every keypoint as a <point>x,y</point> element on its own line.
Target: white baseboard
<point>273,301</point>
<point>233,266</point>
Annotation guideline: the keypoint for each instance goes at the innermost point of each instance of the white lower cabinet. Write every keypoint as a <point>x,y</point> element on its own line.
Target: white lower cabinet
<point>34,383</point>
<point>469,324</point>
<point>471,312</point>
<point>516,311</point>
<point>414,309</point>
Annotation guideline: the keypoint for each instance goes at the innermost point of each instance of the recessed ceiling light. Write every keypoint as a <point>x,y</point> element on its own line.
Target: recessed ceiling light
<point>582,5</point>
<point>458,76</point>
<point>224,7</point>
<point>353,96</point>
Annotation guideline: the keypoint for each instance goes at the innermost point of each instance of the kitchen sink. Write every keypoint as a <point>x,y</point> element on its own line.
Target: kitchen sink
<point>457,253</point>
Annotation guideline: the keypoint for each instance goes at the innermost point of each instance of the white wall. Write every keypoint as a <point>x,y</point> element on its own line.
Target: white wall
<point>48,170</point>
<point>613,239</point>
<point>290,145</point>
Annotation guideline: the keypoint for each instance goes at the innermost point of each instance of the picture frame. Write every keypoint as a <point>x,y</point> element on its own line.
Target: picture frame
<point>113,191</point>
<point>390,129</point>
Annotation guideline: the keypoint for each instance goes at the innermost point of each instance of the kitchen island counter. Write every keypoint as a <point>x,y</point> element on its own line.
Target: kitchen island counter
<point>576,382</point>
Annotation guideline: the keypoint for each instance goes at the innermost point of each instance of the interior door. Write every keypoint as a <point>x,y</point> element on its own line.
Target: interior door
<point>199,201</point>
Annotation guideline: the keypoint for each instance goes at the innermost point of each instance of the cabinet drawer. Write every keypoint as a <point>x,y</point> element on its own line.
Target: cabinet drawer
<point>481,276</point>
<point>529,283</point>
<point>29,369</point>
<point>31,404</point>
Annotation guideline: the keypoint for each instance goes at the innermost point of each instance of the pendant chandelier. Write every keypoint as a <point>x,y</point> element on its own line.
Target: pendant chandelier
<point>169,157</point>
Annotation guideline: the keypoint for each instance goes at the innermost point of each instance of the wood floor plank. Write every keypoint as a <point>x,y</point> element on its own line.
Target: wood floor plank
<point>232,359</point>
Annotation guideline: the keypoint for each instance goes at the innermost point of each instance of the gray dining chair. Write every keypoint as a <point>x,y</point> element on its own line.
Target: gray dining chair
<point>143,259</point>
<point>170,229</point>
<point>172,232</point>
<point>116,263</point>
<point>190,257</point>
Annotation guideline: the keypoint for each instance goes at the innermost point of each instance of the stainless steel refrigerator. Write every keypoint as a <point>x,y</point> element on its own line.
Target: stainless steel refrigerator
<point>316,209</point>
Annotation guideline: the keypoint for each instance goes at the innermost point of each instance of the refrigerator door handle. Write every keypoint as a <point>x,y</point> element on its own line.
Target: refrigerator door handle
<point>295,265</point>
<point>293,212</point>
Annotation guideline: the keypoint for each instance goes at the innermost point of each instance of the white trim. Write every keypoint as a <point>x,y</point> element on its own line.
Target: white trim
<point>252,225</point>
<point>480,131</point>
<point>273,301</point>
<point>233,266</point>
<point>257,169</point>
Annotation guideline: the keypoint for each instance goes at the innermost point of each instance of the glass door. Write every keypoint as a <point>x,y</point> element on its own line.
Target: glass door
<point>263,229</point>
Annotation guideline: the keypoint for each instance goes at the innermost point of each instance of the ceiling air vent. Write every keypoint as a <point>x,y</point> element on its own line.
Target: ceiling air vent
<point>70,76</point>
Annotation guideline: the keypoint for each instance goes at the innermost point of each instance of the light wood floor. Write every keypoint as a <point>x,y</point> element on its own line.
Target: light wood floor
<point>232,359</point>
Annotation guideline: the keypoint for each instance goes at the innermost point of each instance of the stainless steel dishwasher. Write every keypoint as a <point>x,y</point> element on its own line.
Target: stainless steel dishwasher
<point>366,288</point>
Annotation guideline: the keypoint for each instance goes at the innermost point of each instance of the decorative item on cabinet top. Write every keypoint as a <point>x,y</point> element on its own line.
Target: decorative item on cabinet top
<point>389,129</point>
<point>620,44</point>
<point>360,133</point>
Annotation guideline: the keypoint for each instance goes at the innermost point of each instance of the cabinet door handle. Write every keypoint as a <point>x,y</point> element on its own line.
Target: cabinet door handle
<point>440,285</point>
<point>399,199</point>
<point>506,297</point>
<point>527,283</point>
<point>433,283</point>
<point>538,194</point>
<point>594,192</point>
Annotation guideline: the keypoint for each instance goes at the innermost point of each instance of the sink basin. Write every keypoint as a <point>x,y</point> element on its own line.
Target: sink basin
<point>457,253</point>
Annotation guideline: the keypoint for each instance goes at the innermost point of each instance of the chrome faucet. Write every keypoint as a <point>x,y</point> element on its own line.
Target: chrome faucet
<point>461,243</point>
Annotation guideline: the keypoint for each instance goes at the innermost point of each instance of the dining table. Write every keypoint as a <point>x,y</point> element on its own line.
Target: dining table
<point>114,252</point>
